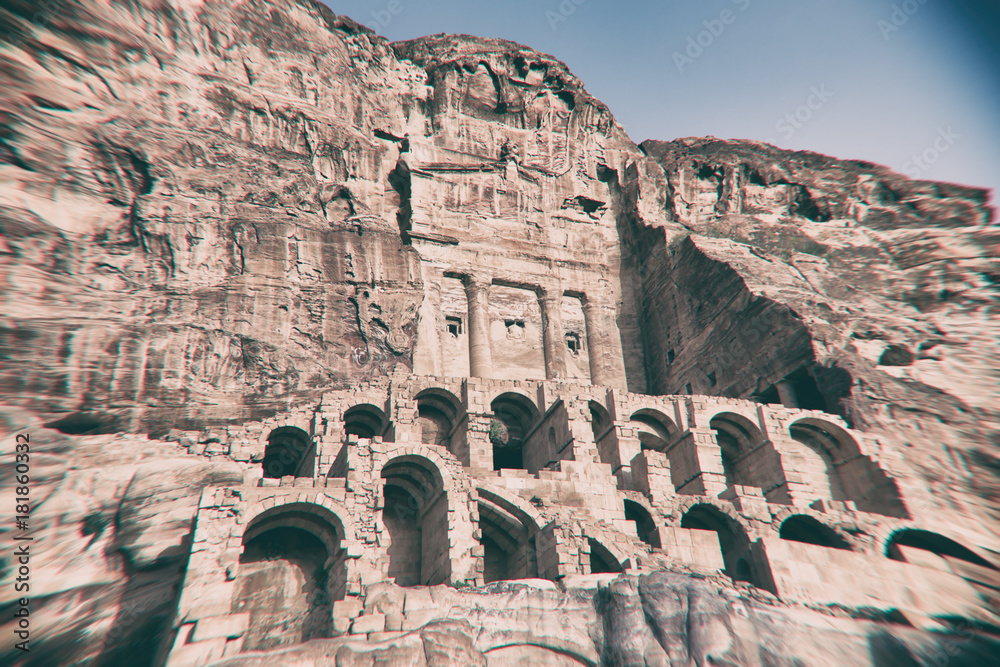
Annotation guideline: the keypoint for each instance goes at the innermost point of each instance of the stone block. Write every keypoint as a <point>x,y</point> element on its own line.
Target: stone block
<point>413,620</point>
<point>368,623</point>
<point>227,626</point>
<point>199,653</point>
<point>348,608</point>
<point>394,621</point>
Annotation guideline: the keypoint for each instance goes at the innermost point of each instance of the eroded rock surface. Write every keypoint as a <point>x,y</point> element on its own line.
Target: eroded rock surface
<point>205,230</point>
<point>851,288</point>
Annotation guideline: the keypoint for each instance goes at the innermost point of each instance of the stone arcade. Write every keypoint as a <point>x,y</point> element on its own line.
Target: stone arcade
<point>412,481</point>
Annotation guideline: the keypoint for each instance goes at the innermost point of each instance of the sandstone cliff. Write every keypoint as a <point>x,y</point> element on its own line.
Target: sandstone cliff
<point>214,212</point>
<point>851,287</point>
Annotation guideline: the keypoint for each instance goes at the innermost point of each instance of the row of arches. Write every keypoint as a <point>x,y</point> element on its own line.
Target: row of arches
<point>734,540</point>
<point>826,460</point>
<point>290,451</point>
<point>294,564</point>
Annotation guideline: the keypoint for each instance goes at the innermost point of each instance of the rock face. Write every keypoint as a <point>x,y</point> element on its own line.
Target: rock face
<point>209,230</point>
<point>517,390</point>
<point>838,285</point>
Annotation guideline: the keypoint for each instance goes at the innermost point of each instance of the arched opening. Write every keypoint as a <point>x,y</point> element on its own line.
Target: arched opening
<point>509,550</point>
<point>289,452</point>
<point>365,421</point>
<point>600,420</point>
<point>291,570</point>
<point>438,410</point>
<point>816,463</point>
<point>513,417</point>
<point>934,543</point>
<point>605,436</point>
<point>733,539</point>
<point>802,528</point>
<point>738,437</point>
<point>508,539</point>
<point>645,526</point>
<point>655,430</point>
<point>602,561</point>
<point>849,475</point>
<point>415,514</point>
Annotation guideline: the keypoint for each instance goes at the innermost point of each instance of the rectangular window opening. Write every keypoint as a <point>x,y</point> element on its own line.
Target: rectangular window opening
<point>454,325</point>
<point>573,342</point>
<point>515,329</point>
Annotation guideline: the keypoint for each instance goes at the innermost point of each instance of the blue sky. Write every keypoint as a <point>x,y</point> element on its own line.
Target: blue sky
<point>886,81</point>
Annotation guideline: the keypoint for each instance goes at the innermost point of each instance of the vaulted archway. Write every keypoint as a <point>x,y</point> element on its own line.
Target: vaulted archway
<point>602,561</point>
<point>514,415</point>
<point>415,514</point>
<point>645,525</point>
<point>654,429</point>
<point>842,472</point>
<point>289,452</point>
<point>733,539</point>
<point>508,542</point>
<point>438,412</point>
<point>738,438</point>
<point>365,421</point>
<point>291,570</point>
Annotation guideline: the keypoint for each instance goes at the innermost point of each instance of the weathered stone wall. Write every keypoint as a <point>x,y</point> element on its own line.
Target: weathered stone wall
<point>570,522</point>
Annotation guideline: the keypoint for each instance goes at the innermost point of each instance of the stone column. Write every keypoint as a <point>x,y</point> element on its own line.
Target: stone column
<point>786,394</point>
<point>427,348</point>
<point>480,355</point>
<point>607,367</point>
<point>550,301</point>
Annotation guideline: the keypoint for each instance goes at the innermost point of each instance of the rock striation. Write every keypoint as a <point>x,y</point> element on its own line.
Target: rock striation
<point>337,351</point>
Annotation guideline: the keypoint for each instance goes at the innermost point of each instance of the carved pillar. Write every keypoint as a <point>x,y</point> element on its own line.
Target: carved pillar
<point>786,394</point>
<point>550,301</point>
<point>480,356</point>
<point>604,344</point>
